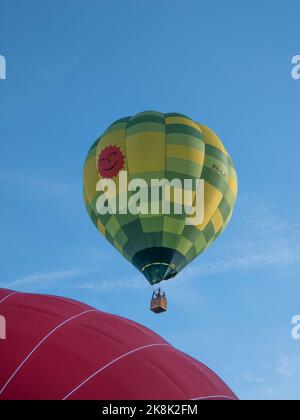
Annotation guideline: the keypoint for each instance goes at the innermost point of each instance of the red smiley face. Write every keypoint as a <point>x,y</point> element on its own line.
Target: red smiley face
<point>111,161</point>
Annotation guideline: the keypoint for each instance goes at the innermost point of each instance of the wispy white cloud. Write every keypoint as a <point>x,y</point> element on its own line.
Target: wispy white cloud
<point>279,380</point>
<point>252,261</point>
<point>249,377</point>
<point>35,183</point>
<point>106,285</point>
<point>288,367</point>
<point>89,280</point>
<point>259,237</point>
<point>251,245</point>
<point>43,279</point>
<point>256,216</point>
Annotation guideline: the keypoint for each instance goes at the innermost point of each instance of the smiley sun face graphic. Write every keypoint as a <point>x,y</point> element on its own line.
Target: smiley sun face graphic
<point>111,161</point>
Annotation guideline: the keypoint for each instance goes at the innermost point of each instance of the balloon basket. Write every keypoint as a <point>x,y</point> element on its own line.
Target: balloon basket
<point>159,302</point>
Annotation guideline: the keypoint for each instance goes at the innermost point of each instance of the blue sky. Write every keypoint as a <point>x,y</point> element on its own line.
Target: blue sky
<point>73,67</point>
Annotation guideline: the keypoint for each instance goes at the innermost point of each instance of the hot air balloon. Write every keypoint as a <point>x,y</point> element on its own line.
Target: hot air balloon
<point>61,349</point>
<point>129,156</point>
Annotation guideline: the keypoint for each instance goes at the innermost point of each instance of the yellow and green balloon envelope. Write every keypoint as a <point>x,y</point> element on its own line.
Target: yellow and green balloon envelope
<point>148,146</point>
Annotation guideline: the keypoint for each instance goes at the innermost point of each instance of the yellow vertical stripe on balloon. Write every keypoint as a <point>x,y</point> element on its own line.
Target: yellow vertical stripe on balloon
<point>187,153</point>
<point>227,221</point>
<point>232,183</point>
<point>115,138</point>
<point>101,227</point>
<point>217,221</point>
<point>90,177</point>
<point>212,199</point>
<point>145,152</point>
<point>212,139</point>
<point>181,121</point>
<point>184,245</point>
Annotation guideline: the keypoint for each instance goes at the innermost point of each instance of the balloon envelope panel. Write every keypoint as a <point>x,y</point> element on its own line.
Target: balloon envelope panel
<point>57,348</point>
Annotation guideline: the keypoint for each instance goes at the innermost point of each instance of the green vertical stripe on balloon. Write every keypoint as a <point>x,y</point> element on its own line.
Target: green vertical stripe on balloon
<point>183,129</point>
<point>232,172</point>
<point>128,249</point>
<point>185,167</point>
<point>192,233</point>
<point>146,126</point>
<point>143,120</point>
<point>173,175</point>
<point>125,219</point>
<point>176,114</point>
<point>135,234</point>
<point>112,226</point>
<point>217,154</point>
<point>224,208</point>
<point>169,239</point>
<point>229,196</point>
<point>217,165</point>
<point>200,242</point>
<point>191,254</point>
<point>177,139</point>
<point>183,245</point>
<point>153,239</point>
<point>149,176</point>
<point>94,218</point>
<point>120,237</point>
<point>92,151</point>
<point>118,125</point>
<point>209,231</point>
<point>151,223</point>
<point>214,179</point>
<point>173,224</point>
<point>109,237</point>
<point>123,120</point>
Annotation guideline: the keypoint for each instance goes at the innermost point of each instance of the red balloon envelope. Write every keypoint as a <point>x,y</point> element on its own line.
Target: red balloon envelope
<point>57,348</point>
